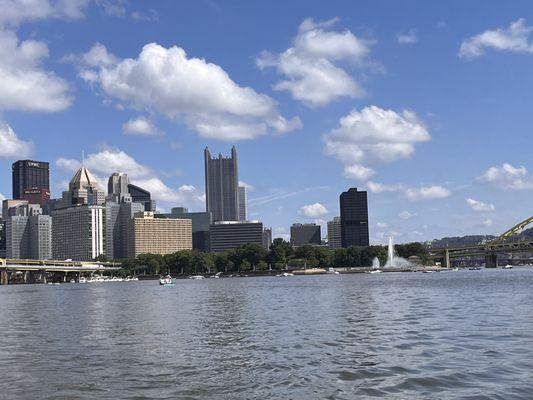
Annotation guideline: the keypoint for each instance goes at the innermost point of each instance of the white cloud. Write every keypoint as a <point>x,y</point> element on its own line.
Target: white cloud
<point>376,187</point>
<point>479,205</point>
<point>358,172</point>
<point>2,197</point>
<point>507,176</point>
<point>487,222</point>
<point>373,135</point>
<point>109,160</point>
<point>11,146</point>
<point>382,225</point>
<point>24,84</point>
<point>13,12</point>
<point>405,215</point>
<point>515,38</point>
<point>140,126</point>
<point>426,193</point>
<point>185,89</point>
<point>313,210</point>
<point>409,37</point>
<point>309,66</point>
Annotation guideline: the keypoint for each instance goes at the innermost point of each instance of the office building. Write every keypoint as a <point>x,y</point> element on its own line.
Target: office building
<point>267,238</point>
<point>28,174</point>
<point>9,205</point>
<point>117,218</point>
<point>334,233</point>
<point>305,234</point>
<point>78,232</point>
<point>147,234</point>
<point>227,235</point>
<point>140,195</point>
<point>117,188</point>
<point>83,189</point>
<point>36,196</point>
<point>243,203</point>
<point>354,218</point>
<point>201,222</point>
<point>28,233</point>
<point>221,186</point>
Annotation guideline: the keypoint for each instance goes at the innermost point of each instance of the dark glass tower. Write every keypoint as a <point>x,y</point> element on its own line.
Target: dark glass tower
<point>222,186</point>
<point>29,174</point>
<point>139,195</point>
<point>354,218</point>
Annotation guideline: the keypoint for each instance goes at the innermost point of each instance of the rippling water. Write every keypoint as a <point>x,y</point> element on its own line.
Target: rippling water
<point>465,334</point>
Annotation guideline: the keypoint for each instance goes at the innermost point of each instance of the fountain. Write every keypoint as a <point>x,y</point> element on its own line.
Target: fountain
<point>393,261</point>
<point>390,258</point>
<point>375,263</point>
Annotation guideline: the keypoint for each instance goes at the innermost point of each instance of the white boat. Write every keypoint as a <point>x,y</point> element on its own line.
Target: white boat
<point>285,274</point>
<point>82,279</point>
<point>72,281</point>
<point>375,271</point>
<point>332,271</point>
<point>508,266</point>
<point>197,277</point>
<point>166,281</point>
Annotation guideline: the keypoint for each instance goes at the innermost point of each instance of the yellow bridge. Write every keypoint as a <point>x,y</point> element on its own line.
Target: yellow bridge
<point>489,250</point>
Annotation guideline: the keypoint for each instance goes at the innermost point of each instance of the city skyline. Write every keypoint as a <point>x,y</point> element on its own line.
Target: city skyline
<point>298,148</point>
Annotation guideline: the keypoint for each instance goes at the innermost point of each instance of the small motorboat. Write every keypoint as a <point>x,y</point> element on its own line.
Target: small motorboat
<point>166,281</point>
<point>82,280</point>
<point>72,281</point>
<point>332,271</point>
<point>374,271</point>
<point>508,266</point>
<point>197,277</point>
<point>285,274</point>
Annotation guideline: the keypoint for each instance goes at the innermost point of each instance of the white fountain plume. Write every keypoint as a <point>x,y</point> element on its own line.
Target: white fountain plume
<point>390,258</point>
<point>375,263</point>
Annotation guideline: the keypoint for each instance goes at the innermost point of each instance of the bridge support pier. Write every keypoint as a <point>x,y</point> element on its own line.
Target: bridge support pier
<point>446,260</point>
<point>4,278</point>
<point>491,260</point>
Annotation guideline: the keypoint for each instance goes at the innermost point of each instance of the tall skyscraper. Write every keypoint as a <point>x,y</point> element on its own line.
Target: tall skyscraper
<point>117,187</point>
<point>221,186</point>
<point>354,218</point>
<point>305,234</point>
<point>83,189</point>
<point>140,195</point>
<point>243,203</point>
<point>334,233</point>
<point>29,174</point>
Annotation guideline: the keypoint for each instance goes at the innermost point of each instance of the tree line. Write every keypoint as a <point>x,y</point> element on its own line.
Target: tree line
<point>254,257</point>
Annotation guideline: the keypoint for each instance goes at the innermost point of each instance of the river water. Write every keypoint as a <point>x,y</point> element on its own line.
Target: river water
<point>466,334</point>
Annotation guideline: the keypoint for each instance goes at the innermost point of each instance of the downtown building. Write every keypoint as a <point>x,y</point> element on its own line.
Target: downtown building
<point>78,226</point>
<point>147,234</point>
<point>201,221</point>
<point>354,218</point>
<point>243,203</point>
<point>221,186</point>
<point>305,234</point>
<point>28,233</point>
<point>30,174</point>
<point>228,235</point>
<point>334,233</point>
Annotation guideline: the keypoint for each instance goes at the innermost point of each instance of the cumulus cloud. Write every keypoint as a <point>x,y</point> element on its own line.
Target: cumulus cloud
<point>376,187</point>
<point>409,37</point>
<point>515,39</point>
<point>507,176</point>
<point>24,84</point>
<point>374,135</point>
<point>382,225</point>
<point>185,89</point>
<point>10,144</point>
<point>405,215</point>
<point>426,193</point>
<point>313,210</point>
<point>477,205</point>
<point>310,67</point>
<point>487,222</point>
<point>140,126</point>
<point>13,12</point>
<point>103,163</point>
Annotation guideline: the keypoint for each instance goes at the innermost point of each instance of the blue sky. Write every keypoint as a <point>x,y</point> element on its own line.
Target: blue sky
<point>425,104</point>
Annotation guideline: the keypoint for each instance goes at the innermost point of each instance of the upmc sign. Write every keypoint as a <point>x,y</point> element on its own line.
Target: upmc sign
<point>34,164</point>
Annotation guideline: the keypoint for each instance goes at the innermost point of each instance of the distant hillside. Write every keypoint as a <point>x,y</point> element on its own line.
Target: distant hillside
<point>472,240</point>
